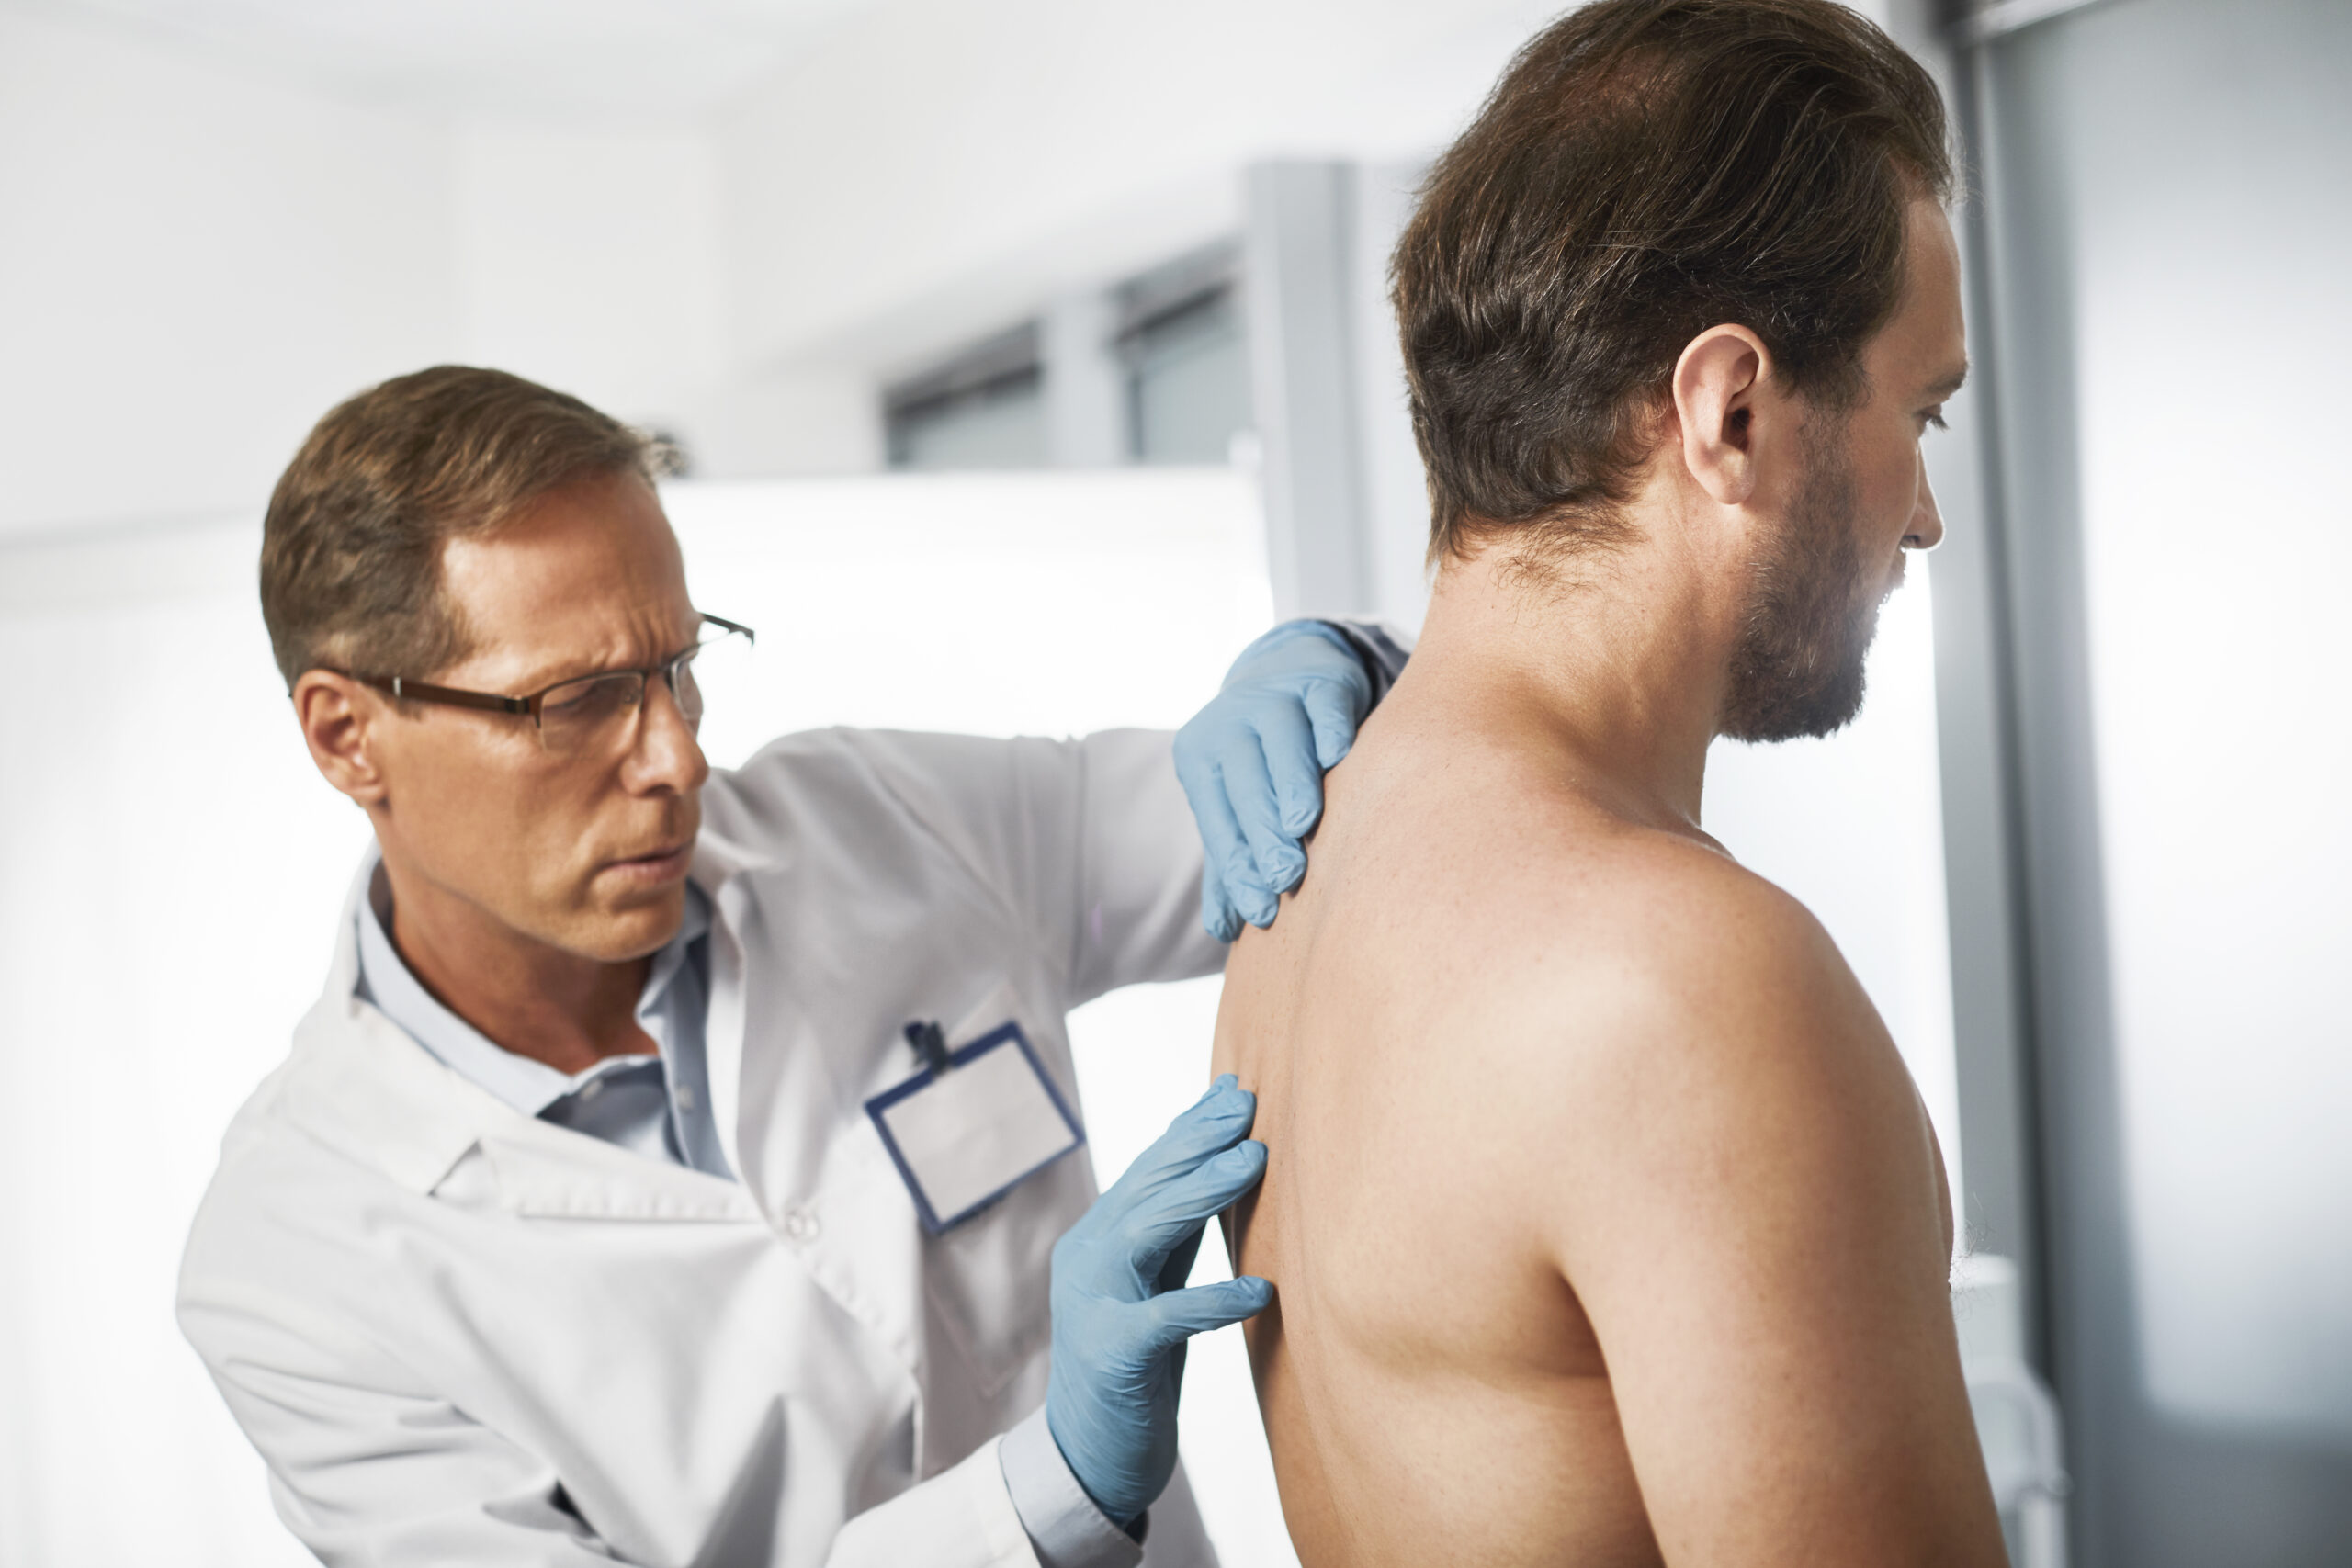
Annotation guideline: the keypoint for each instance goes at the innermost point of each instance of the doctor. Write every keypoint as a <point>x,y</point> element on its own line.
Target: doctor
<point>673,1169</point>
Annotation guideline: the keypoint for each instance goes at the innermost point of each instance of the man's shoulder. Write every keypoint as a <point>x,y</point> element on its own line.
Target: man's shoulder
<point>1646,956</point>
<point>1646,899</point>
<point>1570,928</point>
<point>1668,1013</point>
<point>1704,930</point>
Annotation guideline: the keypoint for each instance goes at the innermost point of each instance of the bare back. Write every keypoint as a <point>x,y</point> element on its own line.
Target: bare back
<point>1433,1385</point>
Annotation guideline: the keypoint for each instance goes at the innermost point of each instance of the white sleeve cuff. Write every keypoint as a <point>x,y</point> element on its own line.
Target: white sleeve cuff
<point>1064,1525</point>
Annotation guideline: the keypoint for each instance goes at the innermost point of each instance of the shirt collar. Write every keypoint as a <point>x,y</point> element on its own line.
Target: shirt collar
<point>672,957</point>
<point>527,1086</point>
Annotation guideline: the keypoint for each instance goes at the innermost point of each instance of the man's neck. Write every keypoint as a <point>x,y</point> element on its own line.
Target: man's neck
<point>1620,659</point>
<point>523,995</point>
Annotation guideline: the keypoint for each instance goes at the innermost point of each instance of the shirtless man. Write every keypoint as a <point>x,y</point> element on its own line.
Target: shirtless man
<point>1606,1224</point>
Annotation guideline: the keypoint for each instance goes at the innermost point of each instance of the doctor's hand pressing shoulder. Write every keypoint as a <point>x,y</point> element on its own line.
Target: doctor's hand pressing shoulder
<point>685,1167</point>
<point>1253,760</point>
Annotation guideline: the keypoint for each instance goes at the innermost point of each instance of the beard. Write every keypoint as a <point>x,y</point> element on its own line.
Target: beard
<point>1798,668</point>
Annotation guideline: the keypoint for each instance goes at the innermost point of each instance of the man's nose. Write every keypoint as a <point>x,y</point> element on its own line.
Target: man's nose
<point>666,754</point>
<point>1926,529</point>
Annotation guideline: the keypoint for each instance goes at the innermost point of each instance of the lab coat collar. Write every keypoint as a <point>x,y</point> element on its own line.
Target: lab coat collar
<point>360,1084</point>
<point>718,860</point>
<point>719,869</point>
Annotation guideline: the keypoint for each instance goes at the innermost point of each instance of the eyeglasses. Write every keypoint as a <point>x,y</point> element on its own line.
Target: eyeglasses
<point>591,710</point>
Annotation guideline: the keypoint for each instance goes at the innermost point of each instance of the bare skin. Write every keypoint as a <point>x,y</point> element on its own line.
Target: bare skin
<point>530,891</point>
<point>1606,1224</point>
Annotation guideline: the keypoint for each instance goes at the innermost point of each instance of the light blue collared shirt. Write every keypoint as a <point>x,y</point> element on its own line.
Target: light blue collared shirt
<point>657,1106</point>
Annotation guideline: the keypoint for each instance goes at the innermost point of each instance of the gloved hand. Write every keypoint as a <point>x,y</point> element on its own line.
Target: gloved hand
<point>1252,764</point>
<point>1121,1312</point>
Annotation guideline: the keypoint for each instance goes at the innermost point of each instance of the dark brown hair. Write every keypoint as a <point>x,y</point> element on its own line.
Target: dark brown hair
<point>1645,170</point>
<point>351,546</point>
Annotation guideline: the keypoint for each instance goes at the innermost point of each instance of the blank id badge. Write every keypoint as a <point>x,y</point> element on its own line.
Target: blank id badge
<point>973,1125</point>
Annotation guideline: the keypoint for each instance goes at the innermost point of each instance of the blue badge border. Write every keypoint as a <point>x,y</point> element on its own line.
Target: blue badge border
<point>1009,1030</point>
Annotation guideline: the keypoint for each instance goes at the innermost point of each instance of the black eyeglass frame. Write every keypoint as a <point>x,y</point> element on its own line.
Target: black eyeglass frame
<point>531,704</point>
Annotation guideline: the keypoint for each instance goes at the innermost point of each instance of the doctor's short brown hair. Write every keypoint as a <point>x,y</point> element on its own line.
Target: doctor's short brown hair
<point>351,545</point>
<point>1645,170</point>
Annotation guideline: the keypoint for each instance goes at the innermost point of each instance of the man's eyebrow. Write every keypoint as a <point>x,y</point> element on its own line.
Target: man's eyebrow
<point>1946,385</point>
<point>544,679</point>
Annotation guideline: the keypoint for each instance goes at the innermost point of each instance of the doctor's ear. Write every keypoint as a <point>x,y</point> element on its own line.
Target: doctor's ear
<point>338,717</point>
<point>1723,395</point>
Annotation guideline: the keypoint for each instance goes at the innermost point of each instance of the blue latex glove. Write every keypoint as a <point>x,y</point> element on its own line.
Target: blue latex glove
<point>1121,1316</point>
<point>1252,764</point>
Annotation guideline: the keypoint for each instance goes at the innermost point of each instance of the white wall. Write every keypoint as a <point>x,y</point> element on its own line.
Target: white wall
<point>1025,146</point>
<point>196,260</point>
<point>198,256</point>
<point>589,259</point>
<point>194,263</point>
<point>935,169</point>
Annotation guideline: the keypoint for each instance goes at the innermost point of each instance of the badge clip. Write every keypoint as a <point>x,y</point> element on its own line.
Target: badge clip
<point>931,1043</point>
<point>972,1123</point>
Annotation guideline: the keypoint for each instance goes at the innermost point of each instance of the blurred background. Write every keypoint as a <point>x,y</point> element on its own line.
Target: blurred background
<point>1029,356</point>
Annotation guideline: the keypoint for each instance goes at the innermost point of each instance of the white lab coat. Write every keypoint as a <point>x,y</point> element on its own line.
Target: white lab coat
<point>458,1334</point>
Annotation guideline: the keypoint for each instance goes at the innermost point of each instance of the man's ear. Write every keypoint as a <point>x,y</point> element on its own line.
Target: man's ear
<point>339,719</point>
<point>1718,385</point>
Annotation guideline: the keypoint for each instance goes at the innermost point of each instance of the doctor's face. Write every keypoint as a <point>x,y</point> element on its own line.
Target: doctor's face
<point>585,850</point>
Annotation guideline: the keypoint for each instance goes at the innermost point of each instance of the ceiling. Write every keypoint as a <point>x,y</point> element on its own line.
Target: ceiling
<point>602,59</point>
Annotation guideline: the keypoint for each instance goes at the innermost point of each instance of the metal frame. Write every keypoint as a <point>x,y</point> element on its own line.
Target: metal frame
<point>1007,361</point>
<point>532,703</point>
<point>1298,277</point>
<point>2036,842</point>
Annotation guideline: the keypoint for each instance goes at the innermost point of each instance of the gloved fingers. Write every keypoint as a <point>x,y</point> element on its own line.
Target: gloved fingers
<point>1180,1315</point>
<point>1207,1127</point>
<point>1276,861</point>
<point>1226,858</point>
<point>1258,656</point>
<point>1218,917</point>
<point>1287,735</point>
<point>1178,1266</point>
<point>1335,708</point>
<point>1174,1216</point>
<point>1222,845</point>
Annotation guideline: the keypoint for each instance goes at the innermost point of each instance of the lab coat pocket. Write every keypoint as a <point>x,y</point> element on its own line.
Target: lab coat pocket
<point>990,1277</point>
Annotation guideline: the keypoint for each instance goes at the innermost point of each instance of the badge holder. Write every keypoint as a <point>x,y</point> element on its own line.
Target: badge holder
<point>975,1123</point>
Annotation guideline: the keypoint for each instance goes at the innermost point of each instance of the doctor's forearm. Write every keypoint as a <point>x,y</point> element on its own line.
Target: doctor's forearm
<point>1139,865</point>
